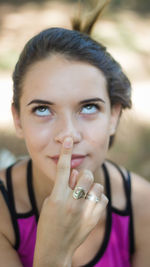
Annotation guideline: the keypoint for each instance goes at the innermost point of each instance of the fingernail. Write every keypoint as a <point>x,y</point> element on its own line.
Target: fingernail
<point>68,142</point>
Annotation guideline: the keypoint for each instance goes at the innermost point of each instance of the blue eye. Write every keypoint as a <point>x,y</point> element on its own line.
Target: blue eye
<point>90,109</point>
<point>42,111</point>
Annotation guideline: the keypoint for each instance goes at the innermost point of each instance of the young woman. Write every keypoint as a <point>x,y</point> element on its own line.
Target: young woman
<point>67,205</point>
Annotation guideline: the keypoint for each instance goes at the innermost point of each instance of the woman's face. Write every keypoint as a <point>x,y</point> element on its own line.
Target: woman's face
<point>62,98</point>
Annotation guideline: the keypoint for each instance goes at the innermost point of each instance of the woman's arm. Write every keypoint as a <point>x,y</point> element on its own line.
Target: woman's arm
<point>141,216</point>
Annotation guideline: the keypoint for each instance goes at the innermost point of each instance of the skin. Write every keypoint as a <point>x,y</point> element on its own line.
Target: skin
<point>66,83</point>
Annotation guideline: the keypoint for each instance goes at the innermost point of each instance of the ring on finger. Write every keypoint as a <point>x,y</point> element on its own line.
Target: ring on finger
<point>79,192</point>
<point>92,197</point>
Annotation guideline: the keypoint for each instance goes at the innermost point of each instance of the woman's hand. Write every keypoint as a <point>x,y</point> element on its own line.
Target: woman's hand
<point>65,222</point>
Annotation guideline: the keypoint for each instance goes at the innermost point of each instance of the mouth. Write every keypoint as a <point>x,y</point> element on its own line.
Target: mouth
<point>76,160</point>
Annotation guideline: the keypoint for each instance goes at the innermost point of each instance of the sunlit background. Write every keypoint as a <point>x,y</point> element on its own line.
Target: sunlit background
<point>124,28</point>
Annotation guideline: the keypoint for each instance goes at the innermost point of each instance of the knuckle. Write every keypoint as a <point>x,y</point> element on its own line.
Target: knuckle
<point>97,189</point>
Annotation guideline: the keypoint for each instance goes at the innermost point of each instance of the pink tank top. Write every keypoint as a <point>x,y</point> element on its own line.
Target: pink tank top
<point>118,243</point>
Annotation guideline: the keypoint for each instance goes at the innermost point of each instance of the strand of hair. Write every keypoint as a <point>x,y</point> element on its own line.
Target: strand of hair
<point>89,24</point>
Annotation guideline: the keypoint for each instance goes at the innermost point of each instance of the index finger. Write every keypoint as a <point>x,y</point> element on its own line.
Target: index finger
<point>64,164</point>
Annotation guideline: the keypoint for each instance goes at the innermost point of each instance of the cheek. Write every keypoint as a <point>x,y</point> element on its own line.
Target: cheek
<point>97,138</point>
<point>99,143</point>
<point>37,138</point>
<point>98,135</point>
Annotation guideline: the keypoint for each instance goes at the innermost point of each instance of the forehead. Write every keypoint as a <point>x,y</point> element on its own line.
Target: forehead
<point>58,76</point>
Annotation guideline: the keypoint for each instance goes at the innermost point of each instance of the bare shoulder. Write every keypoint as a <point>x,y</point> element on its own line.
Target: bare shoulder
<point>140,197</point>
<point>140,189</point>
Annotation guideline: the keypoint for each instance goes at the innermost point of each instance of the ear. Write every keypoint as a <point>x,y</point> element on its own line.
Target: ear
<point>115,116</point>
<point>17,121</point>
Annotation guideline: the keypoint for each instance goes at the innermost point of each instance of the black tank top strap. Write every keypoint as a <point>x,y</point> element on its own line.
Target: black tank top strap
<point>126,184</point>
<point>8,196</point>
<point>31,190</point>
<point>132,241</point>
<point>128,191</point>
<point>11,204</point>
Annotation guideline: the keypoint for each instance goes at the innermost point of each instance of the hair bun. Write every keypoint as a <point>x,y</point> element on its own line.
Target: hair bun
<point>78,23</point>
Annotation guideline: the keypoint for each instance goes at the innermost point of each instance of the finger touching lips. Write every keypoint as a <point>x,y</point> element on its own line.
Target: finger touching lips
<point>64,164</point>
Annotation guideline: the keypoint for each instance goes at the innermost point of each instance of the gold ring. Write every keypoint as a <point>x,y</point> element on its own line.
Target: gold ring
<point>78,192</point>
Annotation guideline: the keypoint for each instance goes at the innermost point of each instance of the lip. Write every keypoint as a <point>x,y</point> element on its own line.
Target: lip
<point>76,159</point>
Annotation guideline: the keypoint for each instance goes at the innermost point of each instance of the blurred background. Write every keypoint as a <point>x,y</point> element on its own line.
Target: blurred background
<point>124,28</point>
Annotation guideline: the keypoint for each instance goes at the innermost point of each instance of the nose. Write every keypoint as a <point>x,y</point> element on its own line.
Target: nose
<point>67,128</point>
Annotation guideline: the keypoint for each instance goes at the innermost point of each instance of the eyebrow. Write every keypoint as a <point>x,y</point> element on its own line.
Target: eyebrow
<point>40,101</point>
<point>96,99</point>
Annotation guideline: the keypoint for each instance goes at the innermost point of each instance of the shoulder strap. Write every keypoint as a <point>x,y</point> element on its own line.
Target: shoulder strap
<point>12,205</point>
<point>126,184</point>
<point>127,187</point>
<point>131,230</point>
<point>31,190</point>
